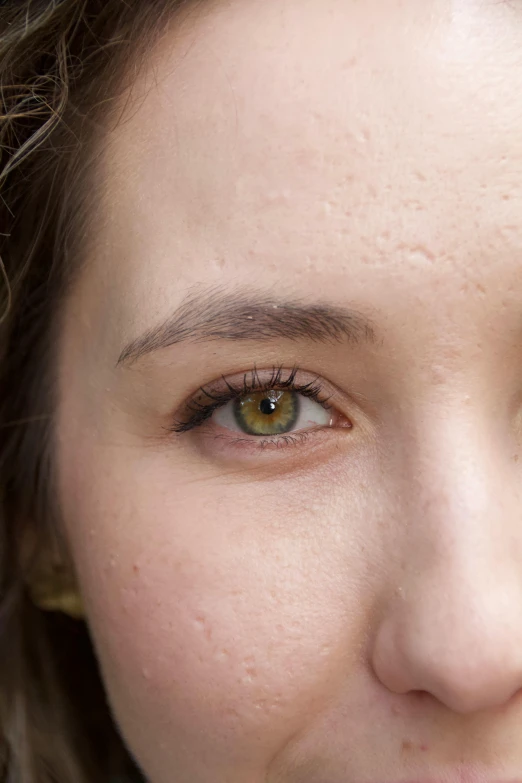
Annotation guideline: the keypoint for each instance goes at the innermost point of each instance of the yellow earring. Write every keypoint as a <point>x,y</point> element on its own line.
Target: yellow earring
<point>49,570</point>
<point>54,590</point>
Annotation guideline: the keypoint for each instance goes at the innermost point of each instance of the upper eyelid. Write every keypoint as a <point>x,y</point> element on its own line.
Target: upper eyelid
<point>237,391</point>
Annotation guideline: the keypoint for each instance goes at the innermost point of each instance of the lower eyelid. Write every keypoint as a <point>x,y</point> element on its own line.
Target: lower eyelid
<point>226,444</point>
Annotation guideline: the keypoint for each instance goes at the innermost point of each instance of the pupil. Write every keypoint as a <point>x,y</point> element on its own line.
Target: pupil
<point>267,406</point>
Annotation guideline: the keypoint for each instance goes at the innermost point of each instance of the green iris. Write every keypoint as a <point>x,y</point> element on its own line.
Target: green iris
<point>270,412</point>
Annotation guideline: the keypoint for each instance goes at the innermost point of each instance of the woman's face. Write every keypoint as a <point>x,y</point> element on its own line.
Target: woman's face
<point>310,218</point>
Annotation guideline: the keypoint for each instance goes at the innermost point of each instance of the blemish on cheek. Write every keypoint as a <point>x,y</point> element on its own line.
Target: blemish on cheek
<point>201,624</point>
<point>408,746</point>
<point>250,670</point>
<point>136,568</point>
<point>418,255</point>
<point>230,712</point>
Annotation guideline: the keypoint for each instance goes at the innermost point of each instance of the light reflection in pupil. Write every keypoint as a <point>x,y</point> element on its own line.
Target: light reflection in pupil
<point>267,413</point>
<point>267,406</point>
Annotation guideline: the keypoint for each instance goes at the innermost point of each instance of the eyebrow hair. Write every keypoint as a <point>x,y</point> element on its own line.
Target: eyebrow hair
<point>215,314</point>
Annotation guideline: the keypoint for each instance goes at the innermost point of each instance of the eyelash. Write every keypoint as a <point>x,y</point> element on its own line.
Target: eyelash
<point>197,413</point>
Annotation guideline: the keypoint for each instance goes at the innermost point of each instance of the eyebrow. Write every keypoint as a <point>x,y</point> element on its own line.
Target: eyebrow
<point>215,314</point>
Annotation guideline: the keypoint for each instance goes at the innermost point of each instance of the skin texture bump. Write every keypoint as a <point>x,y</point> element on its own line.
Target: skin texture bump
<point>345,605</point>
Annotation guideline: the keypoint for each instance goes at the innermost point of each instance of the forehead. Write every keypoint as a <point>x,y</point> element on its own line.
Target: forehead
<point>307,144</point>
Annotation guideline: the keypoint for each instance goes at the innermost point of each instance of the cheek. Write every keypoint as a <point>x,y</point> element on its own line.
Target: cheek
<point>217,610</point>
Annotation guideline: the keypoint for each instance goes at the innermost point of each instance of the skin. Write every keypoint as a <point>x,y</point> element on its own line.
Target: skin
<point>347,608</point>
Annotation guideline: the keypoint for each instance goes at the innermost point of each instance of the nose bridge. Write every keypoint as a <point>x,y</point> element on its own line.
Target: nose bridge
<point>454,625</point>
<point>468,486</point>
<point>457,475</point>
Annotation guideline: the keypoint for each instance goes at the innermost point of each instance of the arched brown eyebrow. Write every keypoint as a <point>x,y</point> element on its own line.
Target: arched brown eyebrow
<point>246,315</point>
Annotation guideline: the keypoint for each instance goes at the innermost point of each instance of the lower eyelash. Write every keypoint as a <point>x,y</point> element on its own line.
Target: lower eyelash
<point>277,441</point>
<point>284,441</point>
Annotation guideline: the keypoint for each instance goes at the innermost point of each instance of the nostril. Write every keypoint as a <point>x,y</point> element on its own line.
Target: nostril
<point>422,696</point>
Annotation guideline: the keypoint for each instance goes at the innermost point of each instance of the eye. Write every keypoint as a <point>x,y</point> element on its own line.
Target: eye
<point>274,407</point>
<point>271,412</point>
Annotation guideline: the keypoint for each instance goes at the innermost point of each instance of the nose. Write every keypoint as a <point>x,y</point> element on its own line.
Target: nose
<point>453,626</point>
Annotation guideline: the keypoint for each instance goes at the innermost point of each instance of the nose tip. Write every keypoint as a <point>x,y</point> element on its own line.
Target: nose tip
<point>450,611</point>
<point>467,657</point>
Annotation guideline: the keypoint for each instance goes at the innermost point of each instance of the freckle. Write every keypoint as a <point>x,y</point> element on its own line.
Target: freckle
<point>406,746</point>
<point>231,712</point>
<point>136,568</point>
<point>515,458</point>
